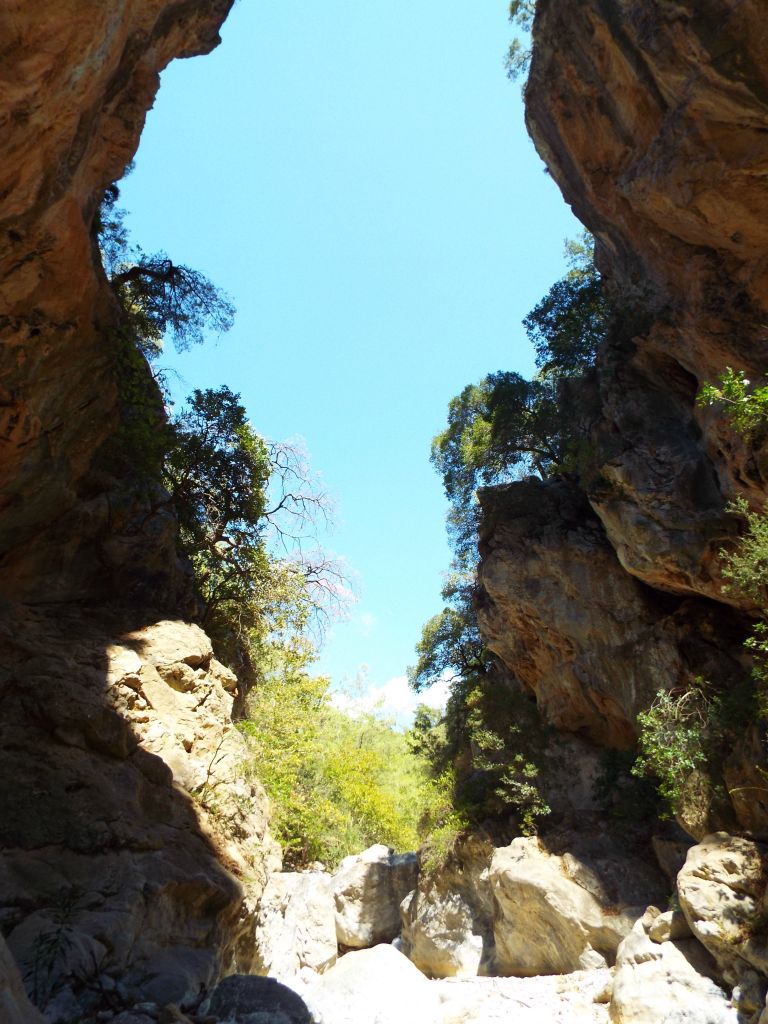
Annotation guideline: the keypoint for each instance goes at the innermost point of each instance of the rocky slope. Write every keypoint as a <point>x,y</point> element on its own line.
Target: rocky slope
<point>601,589</point>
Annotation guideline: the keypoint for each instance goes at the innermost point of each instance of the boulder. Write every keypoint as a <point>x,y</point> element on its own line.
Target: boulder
<point>556,914</point>
<point>722,894</point>
<point>578,998</point>
<point>374,986</point>
<point>248,999</point>
<point>368,889</point>
<point>447,920</point>
<point>667,981</point>
<point>15,1007</point>
<point>670,926</point>
<point>296,924</point>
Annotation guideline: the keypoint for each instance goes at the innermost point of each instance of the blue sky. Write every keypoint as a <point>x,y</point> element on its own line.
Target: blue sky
<point>357,176</point>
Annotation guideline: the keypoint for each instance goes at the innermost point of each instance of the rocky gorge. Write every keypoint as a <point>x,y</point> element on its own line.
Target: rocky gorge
<point>138,878</point>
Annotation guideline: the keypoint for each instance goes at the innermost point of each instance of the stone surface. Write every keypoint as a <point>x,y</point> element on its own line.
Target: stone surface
<point>653,120</point>
<point>722,891</point>
<point>79,77</point>
<point>448,918</point>
<point>245,999</point>
<point>15,1007</point>
<point>556,914</point>
<point>374,986</point>
<point>129,839</point>
<point>578,998</point>
<point>667,982</point>
<point>592,643</point>
<point>669,927</point>
<point>296,924</point>
<point>368,889</point>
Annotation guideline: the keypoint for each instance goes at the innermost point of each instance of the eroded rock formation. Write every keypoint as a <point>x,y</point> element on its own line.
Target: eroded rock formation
<point>651,117</point>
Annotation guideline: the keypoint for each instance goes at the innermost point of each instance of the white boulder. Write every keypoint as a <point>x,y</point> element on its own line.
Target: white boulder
<point>722,894</point>
<point>374,986</point>
<point>551,915</point>
<point>368,889</point>
<point>296,925</point>
<point>666,981</point>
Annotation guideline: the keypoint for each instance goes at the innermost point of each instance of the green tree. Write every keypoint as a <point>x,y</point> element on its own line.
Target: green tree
<point>745,404</point>
<point>503,427</point>
<point>246,509</point>
<point>158,297</point>
<point>518,58</point>
<point>216,470</point>
<point>337,783</point>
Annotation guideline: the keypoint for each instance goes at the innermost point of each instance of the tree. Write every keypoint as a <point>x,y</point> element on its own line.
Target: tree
<point>239,498</point>
<point>498,429</point>
<point>336,783</point>
<point>518,58</point>
<point>216,471</point>
<point>158,297</point>
<point>450,646</point>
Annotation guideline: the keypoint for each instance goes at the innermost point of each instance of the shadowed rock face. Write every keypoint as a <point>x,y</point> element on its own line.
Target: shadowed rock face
<point>652,118</point>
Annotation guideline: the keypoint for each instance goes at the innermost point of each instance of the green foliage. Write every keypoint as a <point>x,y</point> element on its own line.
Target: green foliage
<point>518,58</point>
<point>502,424</point>
<point>745,404</point>
<point>569,324</point>
<point>238,498</point>
<point>51,946</point>
<point>506,425</point>
<point>503,427</point>
<point>442,823</point>
<point>157,297</point>
<point>747,565</point>
<point>217,471</point>
<point>450,645</point>
<point>678,733</point>
<point>337,784</point>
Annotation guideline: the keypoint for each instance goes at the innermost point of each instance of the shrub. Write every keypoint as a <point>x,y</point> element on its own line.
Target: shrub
<point>678,733</point>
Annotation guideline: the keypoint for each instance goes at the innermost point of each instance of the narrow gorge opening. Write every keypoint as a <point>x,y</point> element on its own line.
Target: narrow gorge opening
<point>576,747</point>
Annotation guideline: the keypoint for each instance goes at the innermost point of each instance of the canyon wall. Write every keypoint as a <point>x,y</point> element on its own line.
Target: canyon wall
<point>131,854</point>
<point>652,117</point>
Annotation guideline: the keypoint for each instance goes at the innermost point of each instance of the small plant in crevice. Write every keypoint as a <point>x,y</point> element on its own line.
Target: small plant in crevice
<point>51,946</point>
<point>745,404</point>
<point>679,733</point>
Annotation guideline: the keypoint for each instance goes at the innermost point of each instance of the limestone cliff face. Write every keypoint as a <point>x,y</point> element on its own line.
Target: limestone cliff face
<point>653,120</point>
<point>78,79</point>
<point>132,848</point>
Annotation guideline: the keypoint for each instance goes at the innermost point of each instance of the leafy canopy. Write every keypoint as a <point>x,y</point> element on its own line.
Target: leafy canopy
<point>518,58</point>
<point>337,784</point>
<point>506,425</point>
<point>158,298</point>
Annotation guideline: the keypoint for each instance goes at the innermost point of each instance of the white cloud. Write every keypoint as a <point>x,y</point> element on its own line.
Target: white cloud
<point>393,699</point>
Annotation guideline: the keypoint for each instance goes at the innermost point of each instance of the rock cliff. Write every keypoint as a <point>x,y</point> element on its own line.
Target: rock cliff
<point>651,117</point>
<point>131,860</point>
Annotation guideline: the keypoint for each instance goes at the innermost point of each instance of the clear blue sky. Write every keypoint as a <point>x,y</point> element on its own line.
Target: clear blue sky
<point>358,177</point>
